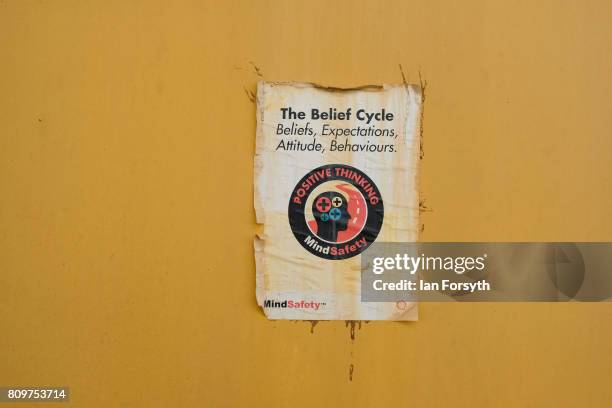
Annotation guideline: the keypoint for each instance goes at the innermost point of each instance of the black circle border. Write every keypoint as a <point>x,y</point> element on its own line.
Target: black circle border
<point>371,228</point>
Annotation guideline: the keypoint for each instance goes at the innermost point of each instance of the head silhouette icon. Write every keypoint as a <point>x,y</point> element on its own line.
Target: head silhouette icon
<point>330,210</point>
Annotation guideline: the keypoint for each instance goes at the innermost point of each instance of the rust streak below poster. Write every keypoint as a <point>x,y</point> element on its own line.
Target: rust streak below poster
<point>335,170</point>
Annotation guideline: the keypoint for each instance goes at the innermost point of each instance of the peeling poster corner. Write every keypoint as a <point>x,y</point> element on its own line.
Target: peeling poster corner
<point>335,170</point>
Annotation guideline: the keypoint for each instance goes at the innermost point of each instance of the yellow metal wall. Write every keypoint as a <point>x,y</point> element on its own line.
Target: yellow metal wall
<point>126,220</point>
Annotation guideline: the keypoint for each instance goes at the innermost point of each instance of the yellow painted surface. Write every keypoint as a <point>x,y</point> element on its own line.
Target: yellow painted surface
<point>126,219</point>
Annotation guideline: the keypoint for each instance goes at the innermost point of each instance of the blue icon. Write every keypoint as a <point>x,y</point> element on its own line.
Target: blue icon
<point>335,214</point>
<point>324,217</point>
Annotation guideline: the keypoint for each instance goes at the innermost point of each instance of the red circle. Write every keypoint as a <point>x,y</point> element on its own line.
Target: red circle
<point>323,204</point>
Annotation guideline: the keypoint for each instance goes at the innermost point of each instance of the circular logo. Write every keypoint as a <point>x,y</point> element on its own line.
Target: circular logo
<point>336,211</point>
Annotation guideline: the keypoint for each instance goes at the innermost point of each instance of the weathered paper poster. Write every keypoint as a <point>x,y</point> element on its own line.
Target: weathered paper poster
<point>335,170</point>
